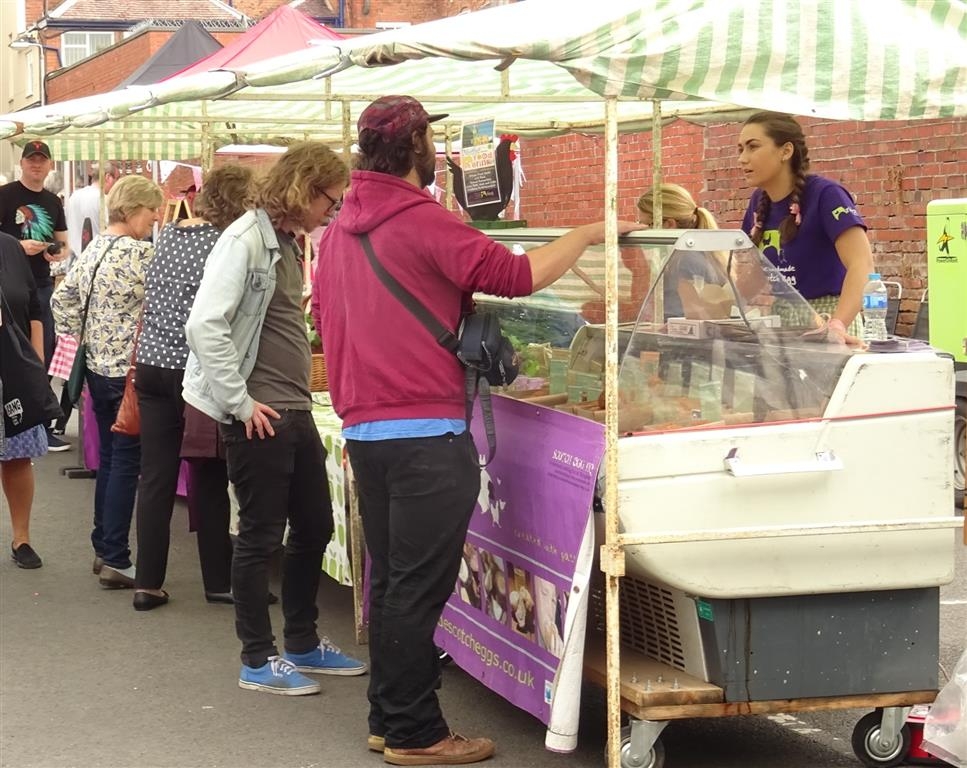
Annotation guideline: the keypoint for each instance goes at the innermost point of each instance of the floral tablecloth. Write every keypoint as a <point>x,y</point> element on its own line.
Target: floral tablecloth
<point>336,560</point>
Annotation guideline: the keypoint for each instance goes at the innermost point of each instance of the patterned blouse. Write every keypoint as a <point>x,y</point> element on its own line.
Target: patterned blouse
<point>172,282</point>
<point>118,294</point>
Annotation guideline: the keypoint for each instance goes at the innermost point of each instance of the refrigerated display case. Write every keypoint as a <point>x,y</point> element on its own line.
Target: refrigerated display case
<point>783,500</point>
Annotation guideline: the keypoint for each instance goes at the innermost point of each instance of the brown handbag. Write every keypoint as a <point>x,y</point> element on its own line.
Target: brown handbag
<point>128,421</point>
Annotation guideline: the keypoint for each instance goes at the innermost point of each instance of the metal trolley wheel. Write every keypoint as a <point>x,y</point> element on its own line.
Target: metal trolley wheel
<point>655,758</point>
<point>871,751</point>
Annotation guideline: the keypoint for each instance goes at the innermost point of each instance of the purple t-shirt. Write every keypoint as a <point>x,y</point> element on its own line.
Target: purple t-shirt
<point>809,262</point>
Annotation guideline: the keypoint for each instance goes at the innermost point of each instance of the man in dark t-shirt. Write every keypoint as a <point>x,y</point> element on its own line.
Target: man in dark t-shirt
<point>35,217</point>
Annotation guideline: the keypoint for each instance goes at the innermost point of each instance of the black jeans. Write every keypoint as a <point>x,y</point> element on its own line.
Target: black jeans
<point>208,498</point>
<point>277,479</point>
<point>162,426</point>
<point>44,292</point>
<point>416,498</point>
<point>117,474</point>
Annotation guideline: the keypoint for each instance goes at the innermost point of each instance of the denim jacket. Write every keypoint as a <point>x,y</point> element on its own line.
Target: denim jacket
<point>225,323</point>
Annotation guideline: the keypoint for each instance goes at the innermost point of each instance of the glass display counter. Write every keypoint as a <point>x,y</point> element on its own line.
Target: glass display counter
<point>726,374</point>
<point>780,500</point>
<point>707,337</point>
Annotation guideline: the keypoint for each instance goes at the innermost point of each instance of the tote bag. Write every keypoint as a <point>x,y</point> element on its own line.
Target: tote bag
<point>27,397</point>
<point>75,382</point>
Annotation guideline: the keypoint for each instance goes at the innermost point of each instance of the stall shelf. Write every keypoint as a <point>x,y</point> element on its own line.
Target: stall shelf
<point>782,505</point>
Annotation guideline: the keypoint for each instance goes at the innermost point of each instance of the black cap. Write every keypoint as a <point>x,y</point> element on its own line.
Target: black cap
<point>32,148</point>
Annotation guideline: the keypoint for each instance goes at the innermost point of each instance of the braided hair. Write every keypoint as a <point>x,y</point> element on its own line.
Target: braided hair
<point>783,129</point>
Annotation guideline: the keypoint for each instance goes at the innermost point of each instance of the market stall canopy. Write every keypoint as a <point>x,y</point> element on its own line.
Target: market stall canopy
<point>543,67</point>
<point>285,29</point>
<point>186,46</point>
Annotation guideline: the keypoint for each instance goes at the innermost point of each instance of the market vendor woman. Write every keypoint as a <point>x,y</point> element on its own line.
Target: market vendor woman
<point>806,225</point>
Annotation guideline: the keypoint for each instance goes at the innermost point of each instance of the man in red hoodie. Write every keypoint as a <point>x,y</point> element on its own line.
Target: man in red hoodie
<point>401,397</point>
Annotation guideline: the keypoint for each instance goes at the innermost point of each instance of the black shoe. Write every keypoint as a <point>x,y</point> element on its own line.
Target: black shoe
<point>25,557</point>
<point>112,578</point>
<point>55,444</point>
<point>227,598</point>
<point>145,601</point>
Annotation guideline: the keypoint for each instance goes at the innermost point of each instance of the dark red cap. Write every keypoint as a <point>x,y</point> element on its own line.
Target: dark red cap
<point>36,148</point>
<point>394,117</point>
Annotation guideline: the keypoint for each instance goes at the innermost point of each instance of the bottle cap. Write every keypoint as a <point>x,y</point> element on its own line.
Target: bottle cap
<point>874,275</point>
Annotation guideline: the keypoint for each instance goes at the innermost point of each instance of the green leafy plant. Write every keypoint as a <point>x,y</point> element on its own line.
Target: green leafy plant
<point>314,341</point>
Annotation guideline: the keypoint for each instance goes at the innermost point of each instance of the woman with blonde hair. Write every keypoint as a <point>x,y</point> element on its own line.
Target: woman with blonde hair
<point>99,302</point>
<point>688,270</point>
<point>678,210</point>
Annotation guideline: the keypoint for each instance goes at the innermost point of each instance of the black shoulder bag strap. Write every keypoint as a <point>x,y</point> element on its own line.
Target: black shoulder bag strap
<point>446,339</point>
<point>90,288</point>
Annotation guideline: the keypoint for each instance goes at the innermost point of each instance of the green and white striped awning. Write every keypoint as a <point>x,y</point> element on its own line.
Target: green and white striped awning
<point>543,67</point>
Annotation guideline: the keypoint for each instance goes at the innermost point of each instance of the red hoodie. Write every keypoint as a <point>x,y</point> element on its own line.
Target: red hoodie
<point>382,363</point>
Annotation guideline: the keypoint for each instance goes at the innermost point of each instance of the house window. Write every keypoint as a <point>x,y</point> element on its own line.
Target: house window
<point>31,77</point>
<point>76,46</point>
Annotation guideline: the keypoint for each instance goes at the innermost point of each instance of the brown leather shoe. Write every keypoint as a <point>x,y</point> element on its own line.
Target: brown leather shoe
<point>375,743</point>
<point>453,750</point>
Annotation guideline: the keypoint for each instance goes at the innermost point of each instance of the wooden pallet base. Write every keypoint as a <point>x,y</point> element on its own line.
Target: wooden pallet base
<point>651,690</point>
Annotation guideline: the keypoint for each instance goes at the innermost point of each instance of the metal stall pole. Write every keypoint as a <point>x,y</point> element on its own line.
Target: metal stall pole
<point>448,195</point>
<point>357,544</point>
<point>657,216</point>
<point>347,133</point>
<point>612,555</point>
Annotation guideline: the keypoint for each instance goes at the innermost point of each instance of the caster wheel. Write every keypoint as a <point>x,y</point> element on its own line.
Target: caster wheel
<point>868,748</point>
<point>655,758</point>
<point>444,657</point>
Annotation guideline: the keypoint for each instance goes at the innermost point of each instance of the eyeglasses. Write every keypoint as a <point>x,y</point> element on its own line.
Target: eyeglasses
<point>334,205</point>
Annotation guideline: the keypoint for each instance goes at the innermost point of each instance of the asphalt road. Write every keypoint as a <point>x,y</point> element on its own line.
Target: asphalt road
<point>85,681</point>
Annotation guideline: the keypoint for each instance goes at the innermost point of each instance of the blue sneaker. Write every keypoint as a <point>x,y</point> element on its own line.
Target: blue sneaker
<point>277,676</point>
<point>326,659</point>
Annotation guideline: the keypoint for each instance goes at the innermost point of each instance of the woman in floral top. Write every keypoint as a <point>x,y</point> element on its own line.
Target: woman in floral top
<point>173,279</point>
<point>112,271</point>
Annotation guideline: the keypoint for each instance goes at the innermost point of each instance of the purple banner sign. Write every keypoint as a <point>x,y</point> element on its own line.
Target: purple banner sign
<point>507,623</point>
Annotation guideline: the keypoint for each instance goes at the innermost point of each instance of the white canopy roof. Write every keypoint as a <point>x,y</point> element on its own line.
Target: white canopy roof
<point>542,67</point>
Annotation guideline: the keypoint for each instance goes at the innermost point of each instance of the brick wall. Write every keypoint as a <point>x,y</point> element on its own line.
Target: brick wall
<point>256,9</point>
<point>892,168</point>
<point>102,73</point>
<point>361,14</point>
<point>565,175</point>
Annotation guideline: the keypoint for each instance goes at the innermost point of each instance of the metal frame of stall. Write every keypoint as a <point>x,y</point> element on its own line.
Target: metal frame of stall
<point>640,686</point>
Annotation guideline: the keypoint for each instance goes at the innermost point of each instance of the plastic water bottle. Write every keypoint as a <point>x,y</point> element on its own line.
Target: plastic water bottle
<point>874,309</point>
